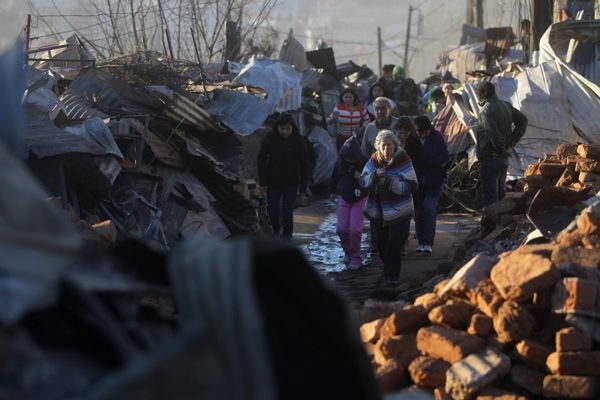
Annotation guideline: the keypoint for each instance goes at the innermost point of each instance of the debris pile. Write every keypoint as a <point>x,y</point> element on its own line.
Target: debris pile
<point>523,323</point>
<point>159,149</point>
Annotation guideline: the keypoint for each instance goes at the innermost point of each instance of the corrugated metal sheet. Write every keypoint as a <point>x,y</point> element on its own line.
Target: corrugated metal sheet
<point>243,113</point>
<point>281,81</point>
<point>180,108</point>
<point>293,53</point>
<point>555,44</point>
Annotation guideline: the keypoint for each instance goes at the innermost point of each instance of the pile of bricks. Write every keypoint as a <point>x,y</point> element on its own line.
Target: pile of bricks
<point>573,166</point>
<point>570,175</point>
<point>524,324</point>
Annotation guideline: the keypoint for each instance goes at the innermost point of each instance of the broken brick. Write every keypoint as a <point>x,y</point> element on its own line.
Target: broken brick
<point>408,318</point>
<point>369,332</point>
<point>571,339</point>
<point>428,301</point>
<point>489,299</point>
<point>575,363</point>
<point>566,150</point>
<point>454,314</point>
<point>480,325</point>
<point>428,372</point>
<point>576,255</point>
<point>476,371</point>
<point>528,379</point>
<point>391,375</point>
<point>447,344</point>
<point>569,238</point>
<point>577,296</point>
<point>513,322</point>
<point>492,393</point>
<point>588,223</point>
<point>402,348</point>
<point>589,151</point>
<point>532,353</point>
<point>551,170</point>
<point>571,387</point>
<point>518,276</point>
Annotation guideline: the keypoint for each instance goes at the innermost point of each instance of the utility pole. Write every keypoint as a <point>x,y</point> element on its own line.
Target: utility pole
<point>407,41</point>
<point>541,19</point>
<point>379,48</point>
<point>475,13</point>
<point>27,34</point>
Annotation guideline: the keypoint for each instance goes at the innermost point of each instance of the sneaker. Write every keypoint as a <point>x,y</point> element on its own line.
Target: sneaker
<point>420,248</point>
<point>427,249</point>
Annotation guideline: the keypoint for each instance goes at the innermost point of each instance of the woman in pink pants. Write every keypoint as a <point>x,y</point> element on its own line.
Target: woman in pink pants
<point>351,200</point>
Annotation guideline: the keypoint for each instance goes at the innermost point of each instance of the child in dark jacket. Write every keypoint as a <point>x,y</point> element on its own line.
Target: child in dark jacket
<point>351,200</point>
<point>283,168</point>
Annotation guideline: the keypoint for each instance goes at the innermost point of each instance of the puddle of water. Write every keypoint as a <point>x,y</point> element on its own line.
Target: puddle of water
<point>325,251</point>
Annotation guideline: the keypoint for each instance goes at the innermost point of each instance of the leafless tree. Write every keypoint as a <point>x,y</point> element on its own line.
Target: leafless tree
<point>128,26</point>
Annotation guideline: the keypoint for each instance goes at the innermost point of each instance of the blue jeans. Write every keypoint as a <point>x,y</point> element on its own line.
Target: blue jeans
<point>280,205</point>
<point>493,178</point>
<point>426,214</point>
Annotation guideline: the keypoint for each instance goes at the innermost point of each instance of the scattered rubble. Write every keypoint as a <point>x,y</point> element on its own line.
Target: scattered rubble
<point>522,322</point>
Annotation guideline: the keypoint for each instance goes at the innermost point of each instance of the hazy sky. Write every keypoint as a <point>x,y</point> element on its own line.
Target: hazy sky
<point>349,26</point>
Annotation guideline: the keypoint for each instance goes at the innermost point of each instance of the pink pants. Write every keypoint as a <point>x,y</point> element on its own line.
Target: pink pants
<point>350,222</point>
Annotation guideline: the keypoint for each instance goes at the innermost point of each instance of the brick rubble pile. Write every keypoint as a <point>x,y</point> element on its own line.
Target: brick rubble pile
<point>522,324</point>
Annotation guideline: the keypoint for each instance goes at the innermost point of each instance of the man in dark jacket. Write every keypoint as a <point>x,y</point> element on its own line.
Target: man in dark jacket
<point>501,126</point>
<point>431,176</point>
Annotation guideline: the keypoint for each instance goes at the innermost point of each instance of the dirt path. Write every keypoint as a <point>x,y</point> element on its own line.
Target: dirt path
<point>314,232</point>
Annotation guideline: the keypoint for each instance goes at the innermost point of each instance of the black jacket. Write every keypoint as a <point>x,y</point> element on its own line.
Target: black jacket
<point>283,161</point>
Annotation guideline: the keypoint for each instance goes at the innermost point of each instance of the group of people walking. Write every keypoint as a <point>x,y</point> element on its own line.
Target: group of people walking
<point>390,169</point>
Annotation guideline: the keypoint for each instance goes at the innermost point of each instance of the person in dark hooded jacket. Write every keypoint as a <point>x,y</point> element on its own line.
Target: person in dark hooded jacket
<point>351,201</point>
<point>283,169</point>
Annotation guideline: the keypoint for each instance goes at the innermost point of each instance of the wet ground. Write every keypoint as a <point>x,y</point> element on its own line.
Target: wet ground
<point>314,232</point>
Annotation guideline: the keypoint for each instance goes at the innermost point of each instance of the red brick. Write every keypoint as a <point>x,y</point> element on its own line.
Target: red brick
<point>428,301</point>
<point>402,348</point>
<point>518,276</point>
<point>532,353</point>
<point>551,170</point>
<point>513,322</point>
<point>489,299</point>
<point>589,151</point>
<point>566,150</point>
<point>447,344</point>
<point>577,296</point>
<point>369,332</point>
<point>575,363</point>
<point>480,325</point>
<point>428,372</point>
<point>440,394</point>
<point>528,379</point>
<point>571,339</point>
<point>408,318</point>
<point>570,387</point>
<point>588,223</point>
<point>454,314</point>
<point>570,238</point>
<point>391,376</point>
<point>492,393</point>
